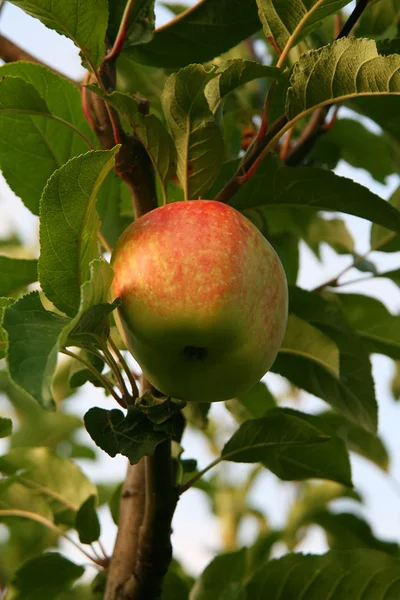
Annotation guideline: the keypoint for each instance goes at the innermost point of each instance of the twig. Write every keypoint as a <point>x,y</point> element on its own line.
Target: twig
<point>122,32</point>
<point>119,355</point>
<point>186,486</point>
<point>95,372</point>
<point>353,18</point>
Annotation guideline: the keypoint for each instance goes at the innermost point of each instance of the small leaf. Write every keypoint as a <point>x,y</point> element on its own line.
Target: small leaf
<point>370,572</point>
<point>346,69</point>
<point>358,439</point>
<point>85,24</point>
<point>32,352</point>
<point>280,18</point>
<point>114,502</point>
<point>346,531</point>
<point>197,137</point>
<point>373,322</point>
<point>352,393</point>
<point>44,577</point>
<point>303,339</point>
<point>79,374</point>
<point>4,302</point>
<point>5,427</point>
<point>253,404</point>
<point>382,239</point>
<point>198,35</point>
<point>231,74</point>
<point>222,578</point>
<point>69,225</point>
<point>132,435</point>
<point>40,145</point>
<point>87,522</point>
<point>16,273</point>
<point>333,232</point>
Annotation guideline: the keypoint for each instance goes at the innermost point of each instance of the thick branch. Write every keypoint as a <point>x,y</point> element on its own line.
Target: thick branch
<point>10,52</point>
<point>155,549</point>
<point>131,513</point>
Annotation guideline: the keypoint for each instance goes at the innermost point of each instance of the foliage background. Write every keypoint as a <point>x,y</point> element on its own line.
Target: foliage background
<point>196,538</point>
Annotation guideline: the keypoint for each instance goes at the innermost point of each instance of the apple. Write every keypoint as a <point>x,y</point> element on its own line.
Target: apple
<point>204,299</point>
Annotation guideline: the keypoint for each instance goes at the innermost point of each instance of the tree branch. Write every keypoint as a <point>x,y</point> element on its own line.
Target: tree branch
<point>131,513</point>
<point>10,52</point>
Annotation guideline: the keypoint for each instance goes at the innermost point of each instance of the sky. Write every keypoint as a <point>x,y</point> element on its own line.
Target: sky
<point>195,531</point>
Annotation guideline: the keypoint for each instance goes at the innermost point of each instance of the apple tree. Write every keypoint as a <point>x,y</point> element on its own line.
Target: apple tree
<point>234,107</point>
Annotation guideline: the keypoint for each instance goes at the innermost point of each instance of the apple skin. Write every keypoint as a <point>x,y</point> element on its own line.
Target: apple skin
<point>204,299</point>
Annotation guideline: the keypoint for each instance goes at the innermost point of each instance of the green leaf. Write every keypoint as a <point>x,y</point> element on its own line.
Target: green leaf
<point>352,393</point>
<point>308,187</point>
<point>87,522</point>
<point>378,18</point>
<point>85,24</point>
<point>16,273</point>
<point>48,429</point>
<point>44,577</point>
<point>302,339</point>
<point>346,69</point>
<point>4,302</point>
<point>109,208</point>
<point>379,329</point>
<point>114,502</point>
<point>5,427</point>
<point>176,583</point>
<point>280,18</point>
<point>333,232</point>
<point>132,435</point>
<point>233,73</point>
<point>79,374</point>
<point>20,97</point>
<point>346,531</point>
<point>91,322</point>
<point>288,443</point>
<point>69,225</point>
<point>358,439</point>
<point>151,132</point>
<point>371,574</point>
<point>362,149</point>
<point>381,238</point>
<point>40,145</point>
<point>222,578</point>
<point>59,481</point>
<point>141,21</point>
<point>32,353</point>
<point>197,137</point>
<point>201,33</point>
<point>252,404</point>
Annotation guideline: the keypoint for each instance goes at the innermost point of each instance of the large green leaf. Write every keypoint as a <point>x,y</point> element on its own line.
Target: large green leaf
<point>58,480</point>
<point>84,23</point>
<point>352,393</point>
<point>197,136</point>
<point>288,443</point>
<point>199,34</point>
<point>87,522</point>
<point>223,577</point>
<point>16,273</point>
<point>364,574</point>
<point>307,187</point>
<point>69,225</point>
<point>373,322</point>
<point>346,69</point>
<point>40,145</point>
<point>33,345</point>
<point>4,302</point>
<point>280,18</point>
<point>45,577</point>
